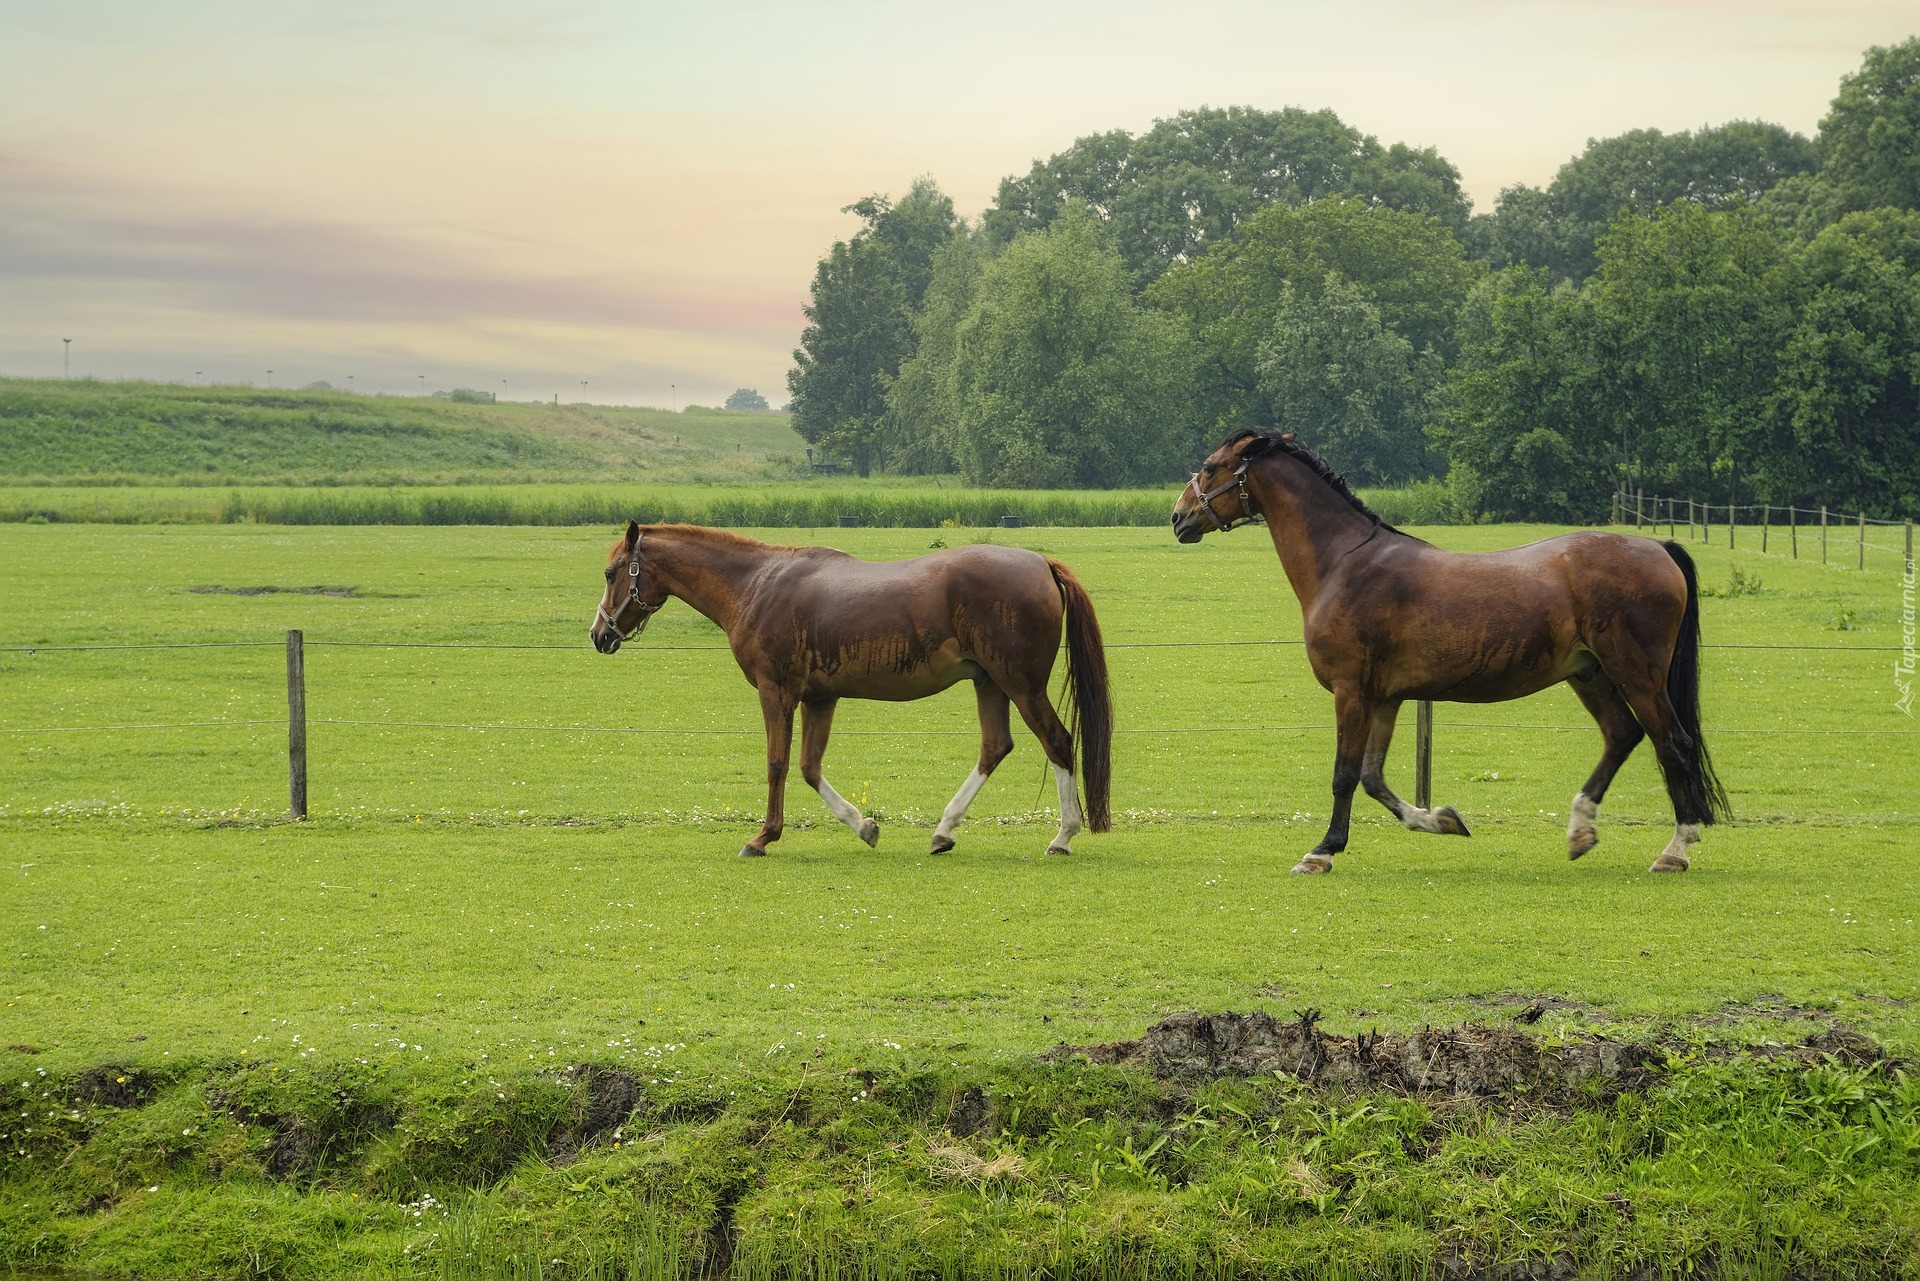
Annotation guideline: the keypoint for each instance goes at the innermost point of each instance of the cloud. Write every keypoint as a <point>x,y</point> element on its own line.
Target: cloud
<point>65,234</point>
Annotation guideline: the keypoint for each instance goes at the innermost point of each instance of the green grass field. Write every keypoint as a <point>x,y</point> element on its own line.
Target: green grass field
<point>521,859</point>
<point>139,433</point>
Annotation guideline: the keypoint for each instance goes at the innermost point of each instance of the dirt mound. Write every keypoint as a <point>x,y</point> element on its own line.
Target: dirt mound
<point>1472,1060</point>
<point>115,1087</point>
<point>608,1097</point>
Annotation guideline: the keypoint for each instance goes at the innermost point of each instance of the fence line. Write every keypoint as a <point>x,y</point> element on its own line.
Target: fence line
<point>722,649</point>
<point>858,733</point>
<point>1634,505</point>
<point>297,721</point>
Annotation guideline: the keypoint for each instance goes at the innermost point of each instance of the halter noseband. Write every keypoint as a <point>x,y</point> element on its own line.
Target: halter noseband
<point>1248,515</point>
<point>633,599</point>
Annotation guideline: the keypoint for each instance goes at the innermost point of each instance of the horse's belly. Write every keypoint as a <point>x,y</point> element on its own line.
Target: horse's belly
<point>889,676</point>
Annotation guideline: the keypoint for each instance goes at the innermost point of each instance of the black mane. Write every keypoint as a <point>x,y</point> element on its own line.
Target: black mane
<point>1269,441</point>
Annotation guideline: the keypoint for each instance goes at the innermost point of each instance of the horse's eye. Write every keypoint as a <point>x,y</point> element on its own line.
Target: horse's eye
<point>609,575</point>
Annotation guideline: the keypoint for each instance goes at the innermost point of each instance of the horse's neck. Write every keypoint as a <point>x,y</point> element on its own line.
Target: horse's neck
<point>1311,525</point>
<point>711,576</point>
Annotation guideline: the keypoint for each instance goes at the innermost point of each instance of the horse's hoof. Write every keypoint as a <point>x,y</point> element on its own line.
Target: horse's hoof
<point>1581,842</point>
<point>870,832</point>
<point>941,844</point>
<point>1313,865</point>
<point>1671,863</point>
<point>747,851</point>
<point>1450,821</point>
<point>1058,849</point>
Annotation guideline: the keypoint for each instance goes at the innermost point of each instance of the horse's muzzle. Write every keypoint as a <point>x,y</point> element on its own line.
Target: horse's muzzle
<point>1185,529</point>
<point>607,641</point>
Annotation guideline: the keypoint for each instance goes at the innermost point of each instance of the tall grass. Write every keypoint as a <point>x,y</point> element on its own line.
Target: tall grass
<point>801,505</point>
<point>765,508</point>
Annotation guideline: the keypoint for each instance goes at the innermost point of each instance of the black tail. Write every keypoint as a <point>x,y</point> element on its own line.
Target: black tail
<point>1698,797</point>
<point>1092,717</point>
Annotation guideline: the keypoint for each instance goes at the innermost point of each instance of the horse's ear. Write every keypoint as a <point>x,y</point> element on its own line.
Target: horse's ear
<point>633,533</point>
<point>1286,436</point>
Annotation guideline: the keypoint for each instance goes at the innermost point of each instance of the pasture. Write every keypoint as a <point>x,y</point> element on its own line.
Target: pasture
<point>93,433</point>
<point>521,859</point>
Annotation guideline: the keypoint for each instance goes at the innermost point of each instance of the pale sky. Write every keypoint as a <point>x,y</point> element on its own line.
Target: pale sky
<point>635,194</point>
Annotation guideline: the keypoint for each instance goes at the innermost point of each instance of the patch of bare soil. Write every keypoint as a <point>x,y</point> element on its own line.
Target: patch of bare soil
<point>607,1099</point>
<point>1764,1007</point>
<point>1472,1060</point>
<point>1525,1008</point>
<point>271,591</point>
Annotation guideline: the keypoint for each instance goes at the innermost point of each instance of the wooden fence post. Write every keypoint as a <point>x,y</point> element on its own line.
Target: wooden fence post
<point>1423,754</point>
<point>1689,520</point>
<point>1706,523</point>
<point>1766,519</point>
<point>1823,533</point>
<point>1909,565</point>
<point>297,724</point>
<point>1863,542</point>
<point>1793,530</point>
<point>1733,522</point>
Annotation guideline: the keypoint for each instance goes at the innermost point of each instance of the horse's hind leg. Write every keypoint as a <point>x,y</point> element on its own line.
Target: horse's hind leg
<point>1608,706</point>
<point>816,723</point>
<point>1040,717</point>
<point>1645,690</point>
<point>996,740</point>
<point>1443,819</point>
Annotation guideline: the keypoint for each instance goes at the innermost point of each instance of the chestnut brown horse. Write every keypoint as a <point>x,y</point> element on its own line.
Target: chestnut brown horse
<point>810,626</point>
<point>1389,618</point>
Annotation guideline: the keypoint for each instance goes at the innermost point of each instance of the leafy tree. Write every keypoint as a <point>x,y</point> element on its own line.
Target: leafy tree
<point>859,322</point>
<point>1871,136</point>
<point>1187,183</point>
<point>1642,170</point>
<point>1521,431</point>
<point>1845,407</point>
<point>746,398</point>
<point>856,334</point>
<point>913,231</point>
<point>1407,266</point>
<point>921,406</point>
<point>1059,377</point>
<point>1693,306</point>
<point>1344,382</point>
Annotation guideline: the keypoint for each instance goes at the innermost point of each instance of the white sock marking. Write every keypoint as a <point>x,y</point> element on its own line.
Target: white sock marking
<point>1581,815</point>
<point>842,808</point>
<point>1415,819</point>
<point>1070,821</point>
<point>957,807</point>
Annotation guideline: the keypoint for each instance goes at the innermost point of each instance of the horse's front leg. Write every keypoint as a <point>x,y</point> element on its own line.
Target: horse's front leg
<point>816,724</point>
<point>776,707</point>
<point>1352,716</point>
<point>1373,776</point>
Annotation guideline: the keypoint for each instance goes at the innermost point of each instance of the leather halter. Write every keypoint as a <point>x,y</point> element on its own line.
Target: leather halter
<point>1248,514</point>
<point>633,600</point>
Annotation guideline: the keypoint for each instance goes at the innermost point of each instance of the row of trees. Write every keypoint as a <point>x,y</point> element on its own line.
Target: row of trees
<point>1687,312</point>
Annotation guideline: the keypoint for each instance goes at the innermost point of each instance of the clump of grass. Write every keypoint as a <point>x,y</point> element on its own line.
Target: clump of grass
<point>1739,583</point>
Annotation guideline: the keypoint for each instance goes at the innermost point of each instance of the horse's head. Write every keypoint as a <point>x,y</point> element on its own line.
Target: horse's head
<point>1216,498</point>
<point>632,595</point>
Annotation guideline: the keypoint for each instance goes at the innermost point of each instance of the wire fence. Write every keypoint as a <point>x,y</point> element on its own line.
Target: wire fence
<point>297,722</point>
<point>1825,531</point>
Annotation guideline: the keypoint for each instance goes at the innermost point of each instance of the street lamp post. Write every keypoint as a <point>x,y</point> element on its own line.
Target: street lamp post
<point>66,360</point>
<point>269,378</point>
<point>423,384</point>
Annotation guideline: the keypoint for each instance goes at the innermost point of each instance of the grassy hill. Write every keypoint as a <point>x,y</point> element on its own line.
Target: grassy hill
<point>114,433</point>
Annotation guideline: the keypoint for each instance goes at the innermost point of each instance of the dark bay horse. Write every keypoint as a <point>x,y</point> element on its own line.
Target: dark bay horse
<point>1389,618</point>
<point>811,625</point>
